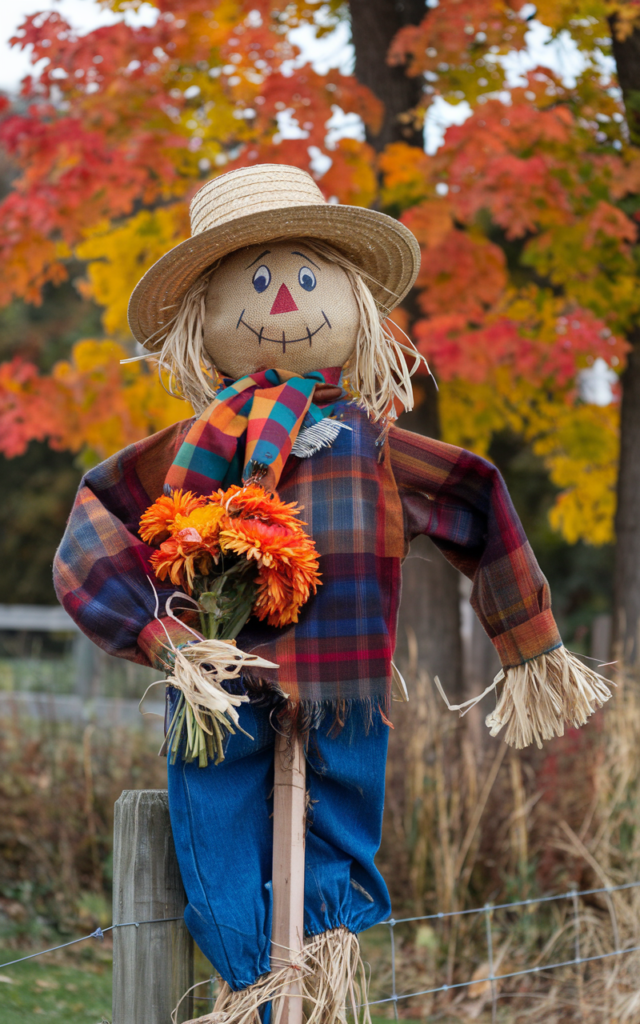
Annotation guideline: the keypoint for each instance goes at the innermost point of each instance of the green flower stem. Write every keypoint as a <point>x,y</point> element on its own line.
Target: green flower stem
<point>225,603</point>
<point>177,732</point>
<point>189,721</point>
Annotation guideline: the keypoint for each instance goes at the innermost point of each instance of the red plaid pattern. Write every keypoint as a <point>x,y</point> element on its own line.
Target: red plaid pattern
<point>364,499</point>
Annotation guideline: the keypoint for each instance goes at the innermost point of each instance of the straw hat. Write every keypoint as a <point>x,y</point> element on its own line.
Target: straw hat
<point>261,203</point>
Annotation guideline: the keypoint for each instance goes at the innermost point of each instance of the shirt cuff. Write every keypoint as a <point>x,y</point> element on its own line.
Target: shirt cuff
<point>160,635</point>
<point>530,639</point>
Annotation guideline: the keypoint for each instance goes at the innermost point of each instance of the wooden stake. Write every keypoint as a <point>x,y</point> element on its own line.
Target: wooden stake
<point>289,796</point>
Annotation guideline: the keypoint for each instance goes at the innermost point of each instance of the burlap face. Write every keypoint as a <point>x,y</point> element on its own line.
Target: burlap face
<point>279,305</point>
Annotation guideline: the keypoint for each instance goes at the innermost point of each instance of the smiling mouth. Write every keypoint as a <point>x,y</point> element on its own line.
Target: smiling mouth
<point>284,341</point>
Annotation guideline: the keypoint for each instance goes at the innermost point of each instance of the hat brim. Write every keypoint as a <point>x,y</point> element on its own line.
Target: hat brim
<point>379,245</point>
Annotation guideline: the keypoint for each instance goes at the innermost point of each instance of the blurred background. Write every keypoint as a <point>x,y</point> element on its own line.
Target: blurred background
<point>506,135</point>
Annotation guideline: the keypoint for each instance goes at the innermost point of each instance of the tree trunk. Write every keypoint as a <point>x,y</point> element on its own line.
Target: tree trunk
<point>626,53</point>
<point>430,607</point>
<point>626,598</point>
<point>374,23</point>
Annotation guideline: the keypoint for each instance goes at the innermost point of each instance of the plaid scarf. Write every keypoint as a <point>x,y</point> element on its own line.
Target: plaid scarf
<point>250,426</point>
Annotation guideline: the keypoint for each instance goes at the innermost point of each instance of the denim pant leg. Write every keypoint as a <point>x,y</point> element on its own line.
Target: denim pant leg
<point>223,833</point>
<point>345,780</point>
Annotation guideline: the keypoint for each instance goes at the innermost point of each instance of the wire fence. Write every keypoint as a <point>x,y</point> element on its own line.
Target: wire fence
<point>487,911</point>
<point>99,933</point>
<point>492,978</point>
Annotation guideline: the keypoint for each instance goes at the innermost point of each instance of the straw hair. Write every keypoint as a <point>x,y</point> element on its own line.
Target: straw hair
<point>378,373</point>
<point>262,203</point>
<point>191,375</point>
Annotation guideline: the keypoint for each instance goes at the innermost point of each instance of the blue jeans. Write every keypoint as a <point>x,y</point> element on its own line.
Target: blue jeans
<point>222,828</point>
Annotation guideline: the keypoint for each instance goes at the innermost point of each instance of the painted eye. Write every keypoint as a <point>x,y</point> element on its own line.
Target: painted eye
<point>307,279</point>
<point>262,279</point>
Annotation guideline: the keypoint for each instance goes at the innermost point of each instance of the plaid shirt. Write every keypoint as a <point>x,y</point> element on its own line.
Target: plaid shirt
<point>364,499</point>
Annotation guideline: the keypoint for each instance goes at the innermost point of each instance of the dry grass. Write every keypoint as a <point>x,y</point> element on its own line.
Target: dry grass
<point>467,822</point>
<point>58,785</point>
<point>470,821</point>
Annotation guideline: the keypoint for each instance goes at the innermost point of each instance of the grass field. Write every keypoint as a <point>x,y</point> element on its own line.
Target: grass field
<point>75,990</point>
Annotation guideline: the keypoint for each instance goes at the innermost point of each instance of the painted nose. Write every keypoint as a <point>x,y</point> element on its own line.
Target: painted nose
<point>283,302</point>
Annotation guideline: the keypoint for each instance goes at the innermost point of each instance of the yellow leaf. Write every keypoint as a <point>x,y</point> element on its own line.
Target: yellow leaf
<point>119,255</point>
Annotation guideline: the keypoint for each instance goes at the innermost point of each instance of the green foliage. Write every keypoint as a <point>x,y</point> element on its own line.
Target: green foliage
<point>43,334</point>
<point>38,490</point>
<point>39,486</point>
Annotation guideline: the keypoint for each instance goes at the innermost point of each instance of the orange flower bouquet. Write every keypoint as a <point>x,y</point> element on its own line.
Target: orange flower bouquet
<point>233,554</point>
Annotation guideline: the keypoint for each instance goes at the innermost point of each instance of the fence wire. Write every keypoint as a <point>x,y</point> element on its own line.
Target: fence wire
<point>487,911</point>
<point>492,978</point>
<point>99,933</point>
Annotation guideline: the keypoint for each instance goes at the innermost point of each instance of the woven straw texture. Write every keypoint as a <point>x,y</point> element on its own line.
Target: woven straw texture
<point>262,203</point>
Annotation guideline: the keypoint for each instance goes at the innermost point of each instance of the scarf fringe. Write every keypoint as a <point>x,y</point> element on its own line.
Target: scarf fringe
<point>328,974</point>
<point>539,697</point>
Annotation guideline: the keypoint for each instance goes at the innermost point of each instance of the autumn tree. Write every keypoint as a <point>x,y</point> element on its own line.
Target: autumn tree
<point>528,272</point>
<point>528,219</point>
<point>525,214</point>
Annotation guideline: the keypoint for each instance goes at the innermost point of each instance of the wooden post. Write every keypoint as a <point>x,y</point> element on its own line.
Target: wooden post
<point>152,964</point>
<point>289,796</point>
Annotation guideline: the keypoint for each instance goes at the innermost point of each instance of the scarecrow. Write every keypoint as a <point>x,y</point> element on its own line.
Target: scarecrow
<point>270,320</point>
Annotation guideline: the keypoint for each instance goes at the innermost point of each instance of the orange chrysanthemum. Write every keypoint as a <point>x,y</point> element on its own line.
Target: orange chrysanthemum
<point>157,521</point>
<point>253,502</point>
<point>288,564</point>
<point>205,521</point>
<point>239,523</point>
<point>283,590</point>
<point>182,559</point>
<point>193,547</point>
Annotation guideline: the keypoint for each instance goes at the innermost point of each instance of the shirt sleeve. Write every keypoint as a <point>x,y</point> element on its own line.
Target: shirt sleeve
<point>101,570</point>
<point>461,501</point>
